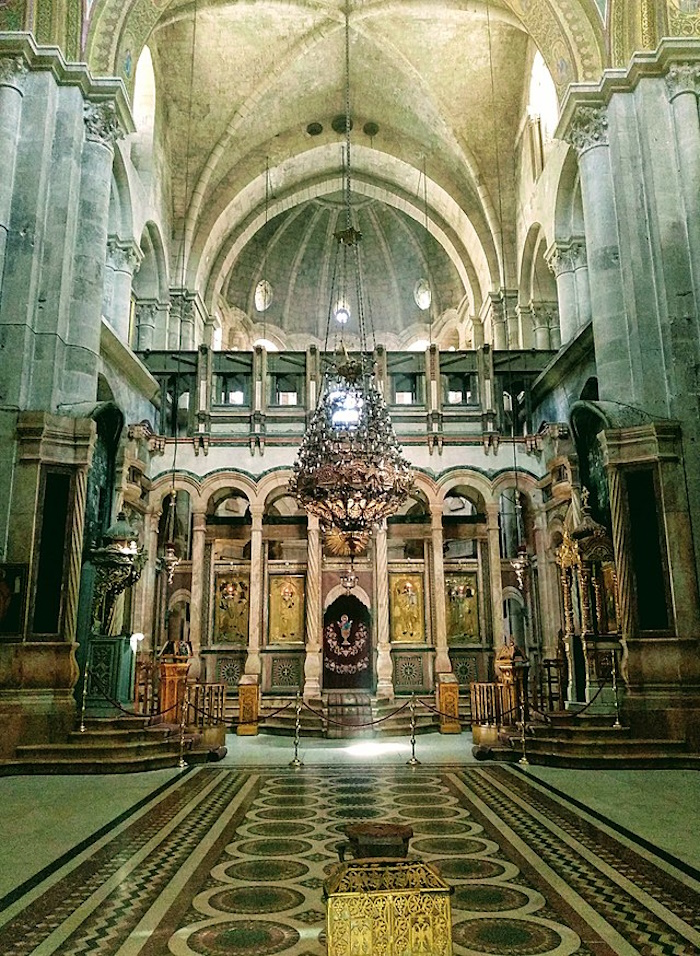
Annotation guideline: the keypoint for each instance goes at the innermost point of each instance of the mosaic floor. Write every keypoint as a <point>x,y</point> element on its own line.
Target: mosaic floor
<point>226,863</point>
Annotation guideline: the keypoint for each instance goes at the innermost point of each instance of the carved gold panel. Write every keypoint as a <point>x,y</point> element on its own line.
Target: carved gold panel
<point>462,608</point>
<point>388,910</point>
<point>287,624</point>
<point>231,603</point>
<point>407,607</point>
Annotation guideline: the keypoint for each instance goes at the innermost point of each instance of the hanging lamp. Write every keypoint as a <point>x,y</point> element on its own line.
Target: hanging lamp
<point>350,471</point>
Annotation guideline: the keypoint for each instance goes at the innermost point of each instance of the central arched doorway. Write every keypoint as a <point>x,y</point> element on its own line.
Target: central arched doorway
<point>347,645</point>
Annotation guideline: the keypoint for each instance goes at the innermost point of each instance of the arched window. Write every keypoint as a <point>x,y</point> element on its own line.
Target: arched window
<point>543,101</point>
<point>144,110</point>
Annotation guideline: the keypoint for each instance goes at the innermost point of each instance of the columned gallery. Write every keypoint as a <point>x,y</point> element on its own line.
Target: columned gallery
<point>183,186</point>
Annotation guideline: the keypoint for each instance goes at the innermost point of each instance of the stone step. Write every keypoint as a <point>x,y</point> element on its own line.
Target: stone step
<point>579,731</point>
<point>113,737</point>
<point>89,752</point>
<point>595,746</point>
<point>136,764</point>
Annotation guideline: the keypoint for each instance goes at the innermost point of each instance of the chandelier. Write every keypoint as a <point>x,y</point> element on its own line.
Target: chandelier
<point>350,471</point>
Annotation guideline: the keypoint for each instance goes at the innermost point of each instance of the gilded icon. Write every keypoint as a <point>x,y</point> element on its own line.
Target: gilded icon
<point>462,608</point>
<point>286,609</point>
<point>407,608</point>
<point>232,593</point>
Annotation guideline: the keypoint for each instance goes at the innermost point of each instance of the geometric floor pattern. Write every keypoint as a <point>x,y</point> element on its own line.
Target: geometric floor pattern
<point>232,863</point>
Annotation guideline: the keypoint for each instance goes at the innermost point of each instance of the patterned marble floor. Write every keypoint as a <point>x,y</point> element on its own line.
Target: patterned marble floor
<point>220,862</point>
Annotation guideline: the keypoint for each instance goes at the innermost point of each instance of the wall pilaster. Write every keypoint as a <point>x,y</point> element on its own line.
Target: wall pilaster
<point>314,611</point>
<point>385,675</point>
<point>253,664</point>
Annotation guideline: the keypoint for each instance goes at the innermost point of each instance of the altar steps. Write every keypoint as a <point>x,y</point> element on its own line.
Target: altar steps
<point>108,745</point>
<point>344,716</point>
<point>588,742</point>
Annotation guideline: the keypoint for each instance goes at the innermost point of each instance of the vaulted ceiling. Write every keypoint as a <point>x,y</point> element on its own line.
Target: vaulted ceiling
<point>436,85</point>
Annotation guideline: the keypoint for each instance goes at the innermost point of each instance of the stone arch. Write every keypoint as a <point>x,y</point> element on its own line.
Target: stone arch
<point>217,488</point>
<point>633,25</point>
<point>272,483</point>
<point>339,591</point>
<point>476,486</point>
<point>160,489</point>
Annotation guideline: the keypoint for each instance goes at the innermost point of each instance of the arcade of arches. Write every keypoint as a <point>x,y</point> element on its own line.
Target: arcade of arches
<point>525,180</point>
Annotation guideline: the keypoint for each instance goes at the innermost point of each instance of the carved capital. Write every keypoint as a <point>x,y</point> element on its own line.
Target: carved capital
<point>140,431</point>
<point>123,256</point>
<point>12,71</point>
<point>683,78</point>
<point>560,258</point>
<point>102,123</point>
<point>578,254</point>
<point>146,313</point>
<point>182,305</point>
<point>589,128</point>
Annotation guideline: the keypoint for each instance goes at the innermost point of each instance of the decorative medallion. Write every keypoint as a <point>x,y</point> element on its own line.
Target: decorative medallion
<point>243,938</point>
<point>266,871</point>
<point>257,899</point>
<point>517,937</point>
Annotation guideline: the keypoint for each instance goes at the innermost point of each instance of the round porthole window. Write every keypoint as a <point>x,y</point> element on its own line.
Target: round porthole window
<point>263,295</point>
<point>422,294</point>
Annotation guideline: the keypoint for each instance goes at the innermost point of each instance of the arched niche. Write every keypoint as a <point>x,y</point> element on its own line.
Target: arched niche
<point>228,520</point>
<point>347,645</point>
<point>144,113</point>
<point>462,524</point>
<point>284,528</point>
<point>409,528</point>
<point>175,524</point>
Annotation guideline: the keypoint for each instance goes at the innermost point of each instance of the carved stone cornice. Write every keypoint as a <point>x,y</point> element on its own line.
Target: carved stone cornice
<point>13,69</point>
<point>102,123</point>
<point>683,78</point>
<point>123,256</point>
<point>588,128</point>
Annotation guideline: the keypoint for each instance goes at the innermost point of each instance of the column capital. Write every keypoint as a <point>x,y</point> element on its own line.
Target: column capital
<point>13,69</point>
<point>102,123</point>
<point>588,128</point>
<point>123,255</point>
<point>560,258</point>
<point>683,78</point>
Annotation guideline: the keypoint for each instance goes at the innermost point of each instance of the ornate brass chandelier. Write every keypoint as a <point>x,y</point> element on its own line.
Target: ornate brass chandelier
<point>350,471</point>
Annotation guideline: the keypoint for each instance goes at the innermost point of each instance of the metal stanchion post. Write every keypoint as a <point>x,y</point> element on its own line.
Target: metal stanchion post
<point>523,760</point>
<point>182,763</point>
<point>296,762</point>
<point>413,762</point>
<point>617,725</point>
<point>83,707</point>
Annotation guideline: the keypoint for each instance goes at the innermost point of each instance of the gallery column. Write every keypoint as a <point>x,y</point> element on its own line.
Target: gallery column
<point>385,670</point>
<point>199,531</point>
<point>123,260</point>
<point>253,663</point>
<point>561,261</point>
<point>494,545</point>
<point>314,617</point>
<point>442,657</point>
<point>148,593</point>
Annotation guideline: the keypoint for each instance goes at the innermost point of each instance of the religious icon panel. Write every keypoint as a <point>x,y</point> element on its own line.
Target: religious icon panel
<point>462,608</point>
<point>406,604</point>
<point>286,625</point>
<point>231,597</point>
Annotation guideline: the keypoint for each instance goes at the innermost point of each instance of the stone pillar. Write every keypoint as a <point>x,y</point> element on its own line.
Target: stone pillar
<point>199,530</point>
<point>253,664</point>
<point>123,260</point>
<point>547,574</point>
<point>560,260</point>
<point>12,71</point>
<point>385,669</point>
<point>683,86</point>
<point>496,583</point>
<point>588,134</point>
<point>540,321</point>
<point>442,657</point>
<point>102,129</point>
<point>314,612</point>
<point>145,317</point>
<point>525,326</point>
<point>581,281</point>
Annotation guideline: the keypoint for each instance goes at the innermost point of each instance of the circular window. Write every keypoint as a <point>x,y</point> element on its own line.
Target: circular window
<point>422,294</point>
<point>263,295</point>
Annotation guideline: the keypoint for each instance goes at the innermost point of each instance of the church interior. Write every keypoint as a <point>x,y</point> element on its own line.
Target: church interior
<point>358,397</point>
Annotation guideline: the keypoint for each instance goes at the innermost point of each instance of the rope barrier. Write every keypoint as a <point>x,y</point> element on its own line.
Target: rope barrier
<point>364,724</point>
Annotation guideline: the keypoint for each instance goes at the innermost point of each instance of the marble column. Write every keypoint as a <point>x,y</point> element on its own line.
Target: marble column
<point>102,129</point>
<point>561,262</point>
<point>496,582</point>
<point>442,657</point>
<point>525,326</point>
<point>588,134</point>
<point>199,531</point>
<point>181,330</point>
<point>548,572</point>
<point>253,664</point>
<point>314,611</point>
<point>385,668</point>
<point>145,621</point>
<point>12,71</point>
<point>123,261</point>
